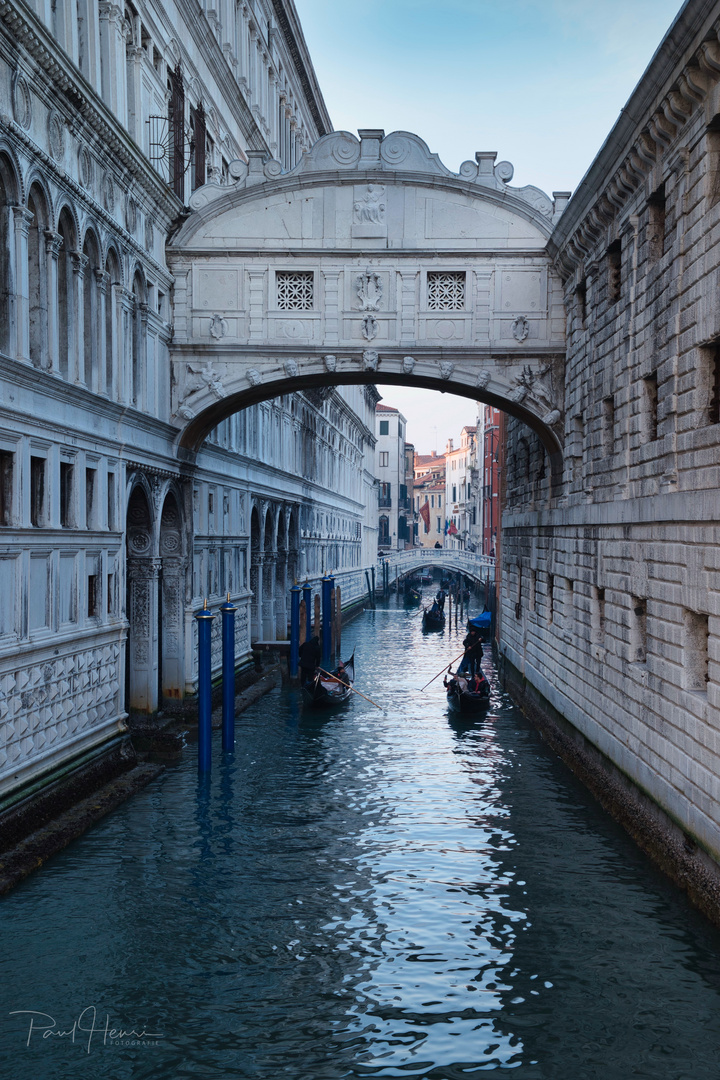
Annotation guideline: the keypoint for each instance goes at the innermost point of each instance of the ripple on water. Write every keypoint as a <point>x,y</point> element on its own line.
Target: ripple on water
<point>387,893</point>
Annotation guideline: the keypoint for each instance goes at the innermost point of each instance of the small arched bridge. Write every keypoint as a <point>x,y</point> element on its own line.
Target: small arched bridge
<point>369,262</point>
<point>478,567</point>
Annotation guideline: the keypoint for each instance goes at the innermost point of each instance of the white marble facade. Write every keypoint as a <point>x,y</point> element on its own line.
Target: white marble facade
<point>110,116</point>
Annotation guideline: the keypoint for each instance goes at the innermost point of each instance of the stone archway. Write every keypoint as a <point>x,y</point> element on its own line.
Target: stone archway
<point>369,262</point>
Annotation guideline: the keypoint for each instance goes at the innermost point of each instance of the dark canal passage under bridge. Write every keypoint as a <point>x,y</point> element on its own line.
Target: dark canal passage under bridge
<point>373,893</point>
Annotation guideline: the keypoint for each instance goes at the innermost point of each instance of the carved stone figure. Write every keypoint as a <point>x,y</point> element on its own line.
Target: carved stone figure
<point>254,377</point>
<point>446,369</point>
<point>371,207</point>
<point>483,379</point>
<point>370,360</point>
<point>330,362</point>
<point>291,368</point>
<point>408,364</point>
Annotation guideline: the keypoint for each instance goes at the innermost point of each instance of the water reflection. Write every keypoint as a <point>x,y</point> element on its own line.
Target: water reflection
<point>364,893</point>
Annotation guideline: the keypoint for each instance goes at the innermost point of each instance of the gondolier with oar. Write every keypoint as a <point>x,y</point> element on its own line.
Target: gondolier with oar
<point>473,651</point>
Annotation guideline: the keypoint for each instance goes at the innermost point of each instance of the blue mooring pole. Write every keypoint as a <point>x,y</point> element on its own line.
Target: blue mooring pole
<point>295,593</point>
<point>307,597</point>
<point>327,584</point>
<point>204,624</point>
<point>228,675</point>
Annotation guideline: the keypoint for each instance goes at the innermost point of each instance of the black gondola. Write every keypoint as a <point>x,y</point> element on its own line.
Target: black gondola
<point>433,618</point>
<point>323,692</point>
<point>463,699</point>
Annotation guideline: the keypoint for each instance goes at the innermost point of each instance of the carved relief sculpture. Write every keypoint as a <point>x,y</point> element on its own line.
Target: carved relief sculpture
<point>371,207</point>
<point>369,327</point>
<point>369,289</point>
<point>218,327</point>
<point>370,360</point>
<point>520,328</point>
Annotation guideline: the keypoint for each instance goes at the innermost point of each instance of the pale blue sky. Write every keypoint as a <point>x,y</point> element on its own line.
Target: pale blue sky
<point>539,81</point>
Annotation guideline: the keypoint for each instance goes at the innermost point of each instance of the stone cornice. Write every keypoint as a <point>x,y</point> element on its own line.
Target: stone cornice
<point>678,79</point>
<point>26,30</point>
<point>289,24</point>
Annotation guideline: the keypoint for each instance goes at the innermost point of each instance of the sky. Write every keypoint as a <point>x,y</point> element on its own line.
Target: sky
<point>540,81</point>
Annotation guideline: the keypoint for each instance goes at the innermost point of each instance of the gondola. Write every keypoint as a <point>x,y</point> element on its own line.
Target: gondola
<point>322,692</point>
<point>433,618</point>
<point>464,700</point>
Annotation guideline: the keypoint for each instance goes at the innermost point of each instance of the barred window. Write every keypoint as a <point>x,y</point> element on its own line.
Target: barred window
<point>294,290</point>
<point>446,291</point>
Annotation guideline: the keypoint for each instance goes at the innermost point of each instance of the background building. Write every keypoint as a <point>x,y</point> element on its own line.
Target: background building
<point>390,470</point>
<point>429,499</point>
<point>461,509</point>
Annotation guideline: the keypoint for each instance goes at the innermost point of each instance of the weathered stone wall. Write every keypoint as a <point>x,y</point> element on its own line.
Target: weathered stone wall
<point>611,604</point>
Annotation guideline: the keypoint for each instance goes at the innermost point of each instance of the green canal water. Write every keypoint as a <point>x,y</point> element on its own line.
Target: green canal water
<point>369,893</point>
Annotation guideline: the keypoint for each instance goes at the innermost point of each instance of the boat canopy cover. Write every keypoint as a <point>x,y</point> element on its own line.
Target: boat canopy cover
<point>482,622</point>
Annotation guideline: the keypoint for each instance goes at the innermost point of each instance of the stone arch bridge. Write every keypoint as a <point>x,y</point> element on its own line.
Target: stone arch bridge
<point>477,567</point>
<point>369,262</point>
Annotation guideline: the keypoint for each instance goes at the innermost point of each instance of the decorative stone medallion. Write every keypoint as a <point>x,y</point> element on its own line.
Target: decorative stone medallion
<point>108,193</point>
<point>56,135</point>
<point>520,328</point>
<point>21,101</point>
<point>218,327</point>
<point>131,216</point>
<point>84,167</point>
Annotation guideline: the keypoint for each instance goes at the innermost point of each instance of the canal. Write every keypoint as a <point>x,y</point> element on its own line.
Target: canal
<point>374,893</point>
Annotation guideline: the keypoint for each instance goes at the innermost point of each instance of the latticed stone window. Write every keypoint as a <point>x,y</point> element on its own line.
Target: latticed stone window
<point>446,290</point>
<point>294,290</point>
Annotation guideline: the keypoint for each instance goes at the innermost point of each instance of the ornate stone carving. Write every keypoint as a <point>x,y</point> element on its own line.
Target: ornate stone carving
<point>446,369</point>
<point>291,369</point>
<point>330,362</point>
<point>371,206</point>
<point>56,135</point>
<point>370,360</point>
<point>254,377</point>
<point>520,328</point>
<point>218,327</point>
<point>84,167</point>
<point>504,171</point>
<point>21,101</point>
<point>552,417</point>
<point>149,235</point>
<point>519,394</point>
<point>369,289</point>
<point>108,193</point>
<point>408,364</point>
<point>131,215</point>
<point>483,378</point>
<point>369,327</point>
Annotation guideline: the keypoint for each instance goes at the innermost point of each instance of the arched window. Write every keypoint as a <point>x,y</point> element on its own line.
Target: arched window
<point>66,299</point>
<point>90,312</point>
<point>112,269</point>
<point>138,368</point>
<point>37,277</point>
<point>6,231</point>
<point>384,532</point>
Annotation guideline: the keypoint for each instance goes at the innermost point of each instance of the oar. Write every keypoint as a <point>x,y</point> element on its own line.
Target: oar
<point>441,671</point>
<point>334,677</point>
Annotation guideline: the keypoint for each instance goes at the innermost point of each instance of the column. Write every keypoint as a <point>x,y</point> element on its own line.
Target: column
<point>125,345</point>
<point>256,588</point>
<point>102,284</point>
<point>173,578</point>
<point>76,357</point>
<point>22,221</point>
<point>53,246</point>
<point>142,652</point>
<point>281,585</point>
<point>268,601</point>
